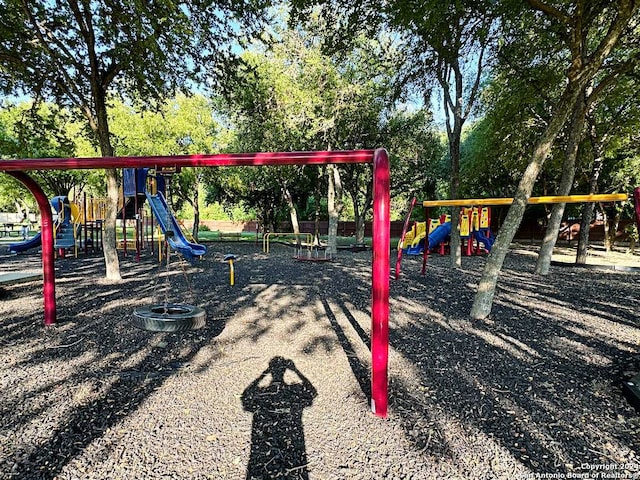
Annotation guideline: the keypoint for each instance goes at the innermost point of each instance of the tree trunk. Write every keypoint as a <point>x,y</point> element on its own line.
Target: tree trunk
<point>112,264</point>
<point>454,153</point>
<point>483,300</point>
<point>317,196</point>
<point>111,261</point>
<point>610,229</point>
<point>606,227</point>
<point>583,234</point>
<point>455,254</point>
<point>359,216</point>
<point>360,228</point>
<point>293,211</point>
<point>195,230</point>
<point>335,205</point>
<point>316,220</point>
<point>613,232</point>
<point>566,182</point>
<point>588,209</point>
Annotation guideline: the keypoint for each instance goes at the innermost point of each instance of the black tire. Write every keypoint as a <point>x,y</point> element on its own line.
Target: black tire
<point>172,317</point>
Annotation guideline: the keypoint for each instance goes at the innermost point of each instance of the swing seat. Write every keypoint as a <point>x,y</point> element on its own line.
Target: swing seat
<point>170,317</point>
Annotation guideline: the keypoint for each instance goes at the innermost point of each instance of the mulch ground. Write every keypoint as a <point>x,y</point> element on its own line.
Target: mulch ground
<point>277,383</point>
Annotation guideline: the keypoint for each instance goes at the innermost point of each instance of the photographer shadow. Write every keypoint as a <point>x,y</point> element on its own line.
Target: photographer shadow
<point>278,448</point>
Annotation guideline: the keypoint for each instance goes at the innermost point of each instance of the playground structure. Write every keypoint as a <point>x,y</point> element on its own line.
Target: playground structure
<point>149,185</point>
<point>304,251</point>
<point>433,234</point>
<point>74,226</point>
<point>267,237</point>
<point>79,223</point>
<point>475,231</point>
<point>230,258</point>
<point>486,202</point>
<point>313,253</point>
<point>381,225</point>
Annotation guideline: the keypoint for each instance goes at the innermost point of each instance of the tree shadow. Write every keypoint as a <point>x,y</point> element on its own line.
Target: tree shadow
<point>543,362</point>
<point>115,367</point>
<point>278,448</point>
<point>359,369</point>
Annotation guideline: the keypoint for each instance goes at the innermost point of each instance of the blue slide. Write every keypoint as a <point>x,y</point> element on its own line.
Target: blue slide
<point>439,235</point>
<point>19,247</point>
<point>417,250</point>
<point>167,222</point>
<point>487,241</point>
<point>64,235</point>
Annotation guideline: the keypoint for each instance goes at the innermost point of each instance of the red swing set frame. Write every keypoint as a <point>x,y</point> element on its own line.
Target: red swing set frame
<point>381,219</point>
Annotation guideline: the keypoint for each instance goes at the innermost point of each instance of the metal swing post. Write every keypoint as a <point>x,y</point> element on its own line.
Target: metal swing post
<point>380,283</point>
<point>48,254</point>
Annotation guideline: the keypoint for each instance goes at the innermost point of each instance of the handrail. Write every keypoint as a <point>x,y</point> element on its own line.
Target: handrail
<point>76,229</point>
<point>266,237</point>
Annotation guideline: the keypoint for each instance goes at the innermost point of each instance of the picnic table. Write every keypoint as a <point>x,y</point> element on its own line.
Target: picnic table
<point>8,230</point>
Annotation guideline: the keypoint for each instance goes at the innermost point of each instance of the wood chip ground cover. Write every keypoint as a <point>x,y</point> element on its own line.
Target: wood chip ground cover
<point>277,383</point>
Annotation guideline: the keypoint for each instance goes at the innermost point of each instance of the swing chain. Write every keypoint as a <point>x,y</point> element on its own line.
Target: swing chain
<point>168,233</point>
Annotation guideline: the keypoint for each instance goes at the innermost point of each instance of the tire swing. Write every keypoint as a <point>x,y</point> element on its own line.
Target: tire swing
<point>169,317</point>
<point>165,316</point>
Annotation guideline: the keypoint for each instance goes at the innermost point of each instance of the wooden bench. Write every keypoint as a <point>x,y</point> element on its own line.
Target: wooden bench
<point>235,236</point>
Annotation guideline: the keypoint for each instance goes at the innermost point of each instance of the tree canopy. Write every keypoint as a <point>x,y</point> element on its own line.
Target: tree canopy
<point>84,54</point>
<point>540,94</point>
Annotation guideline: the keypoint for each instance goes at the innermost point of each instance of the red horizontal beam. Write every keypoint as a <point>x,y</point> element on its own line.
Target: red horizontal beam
<point>218,160</point>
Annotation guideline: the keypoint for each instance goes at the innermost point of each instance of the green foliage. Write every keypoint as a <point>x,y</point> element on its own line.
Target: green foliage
<point>251,189</point>
<point>30,131</point>
<point>148,49</point>
<point>295,97</point>
<point>44,131</point>
<point>518,101</point>
<point>614,123</point>
<point>184,125</point>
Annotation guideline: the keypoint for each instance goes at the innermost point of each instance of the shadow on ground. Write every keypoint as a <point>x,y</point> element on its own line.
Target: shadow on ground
<point>537,383</point>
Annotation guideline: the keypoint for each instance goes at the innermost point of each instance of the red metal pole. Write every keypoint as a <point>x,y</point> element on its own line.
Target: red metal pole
<point>425,252</point>
<point>404,232</point>
<point>46,232</point>
<point>380,283</point>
